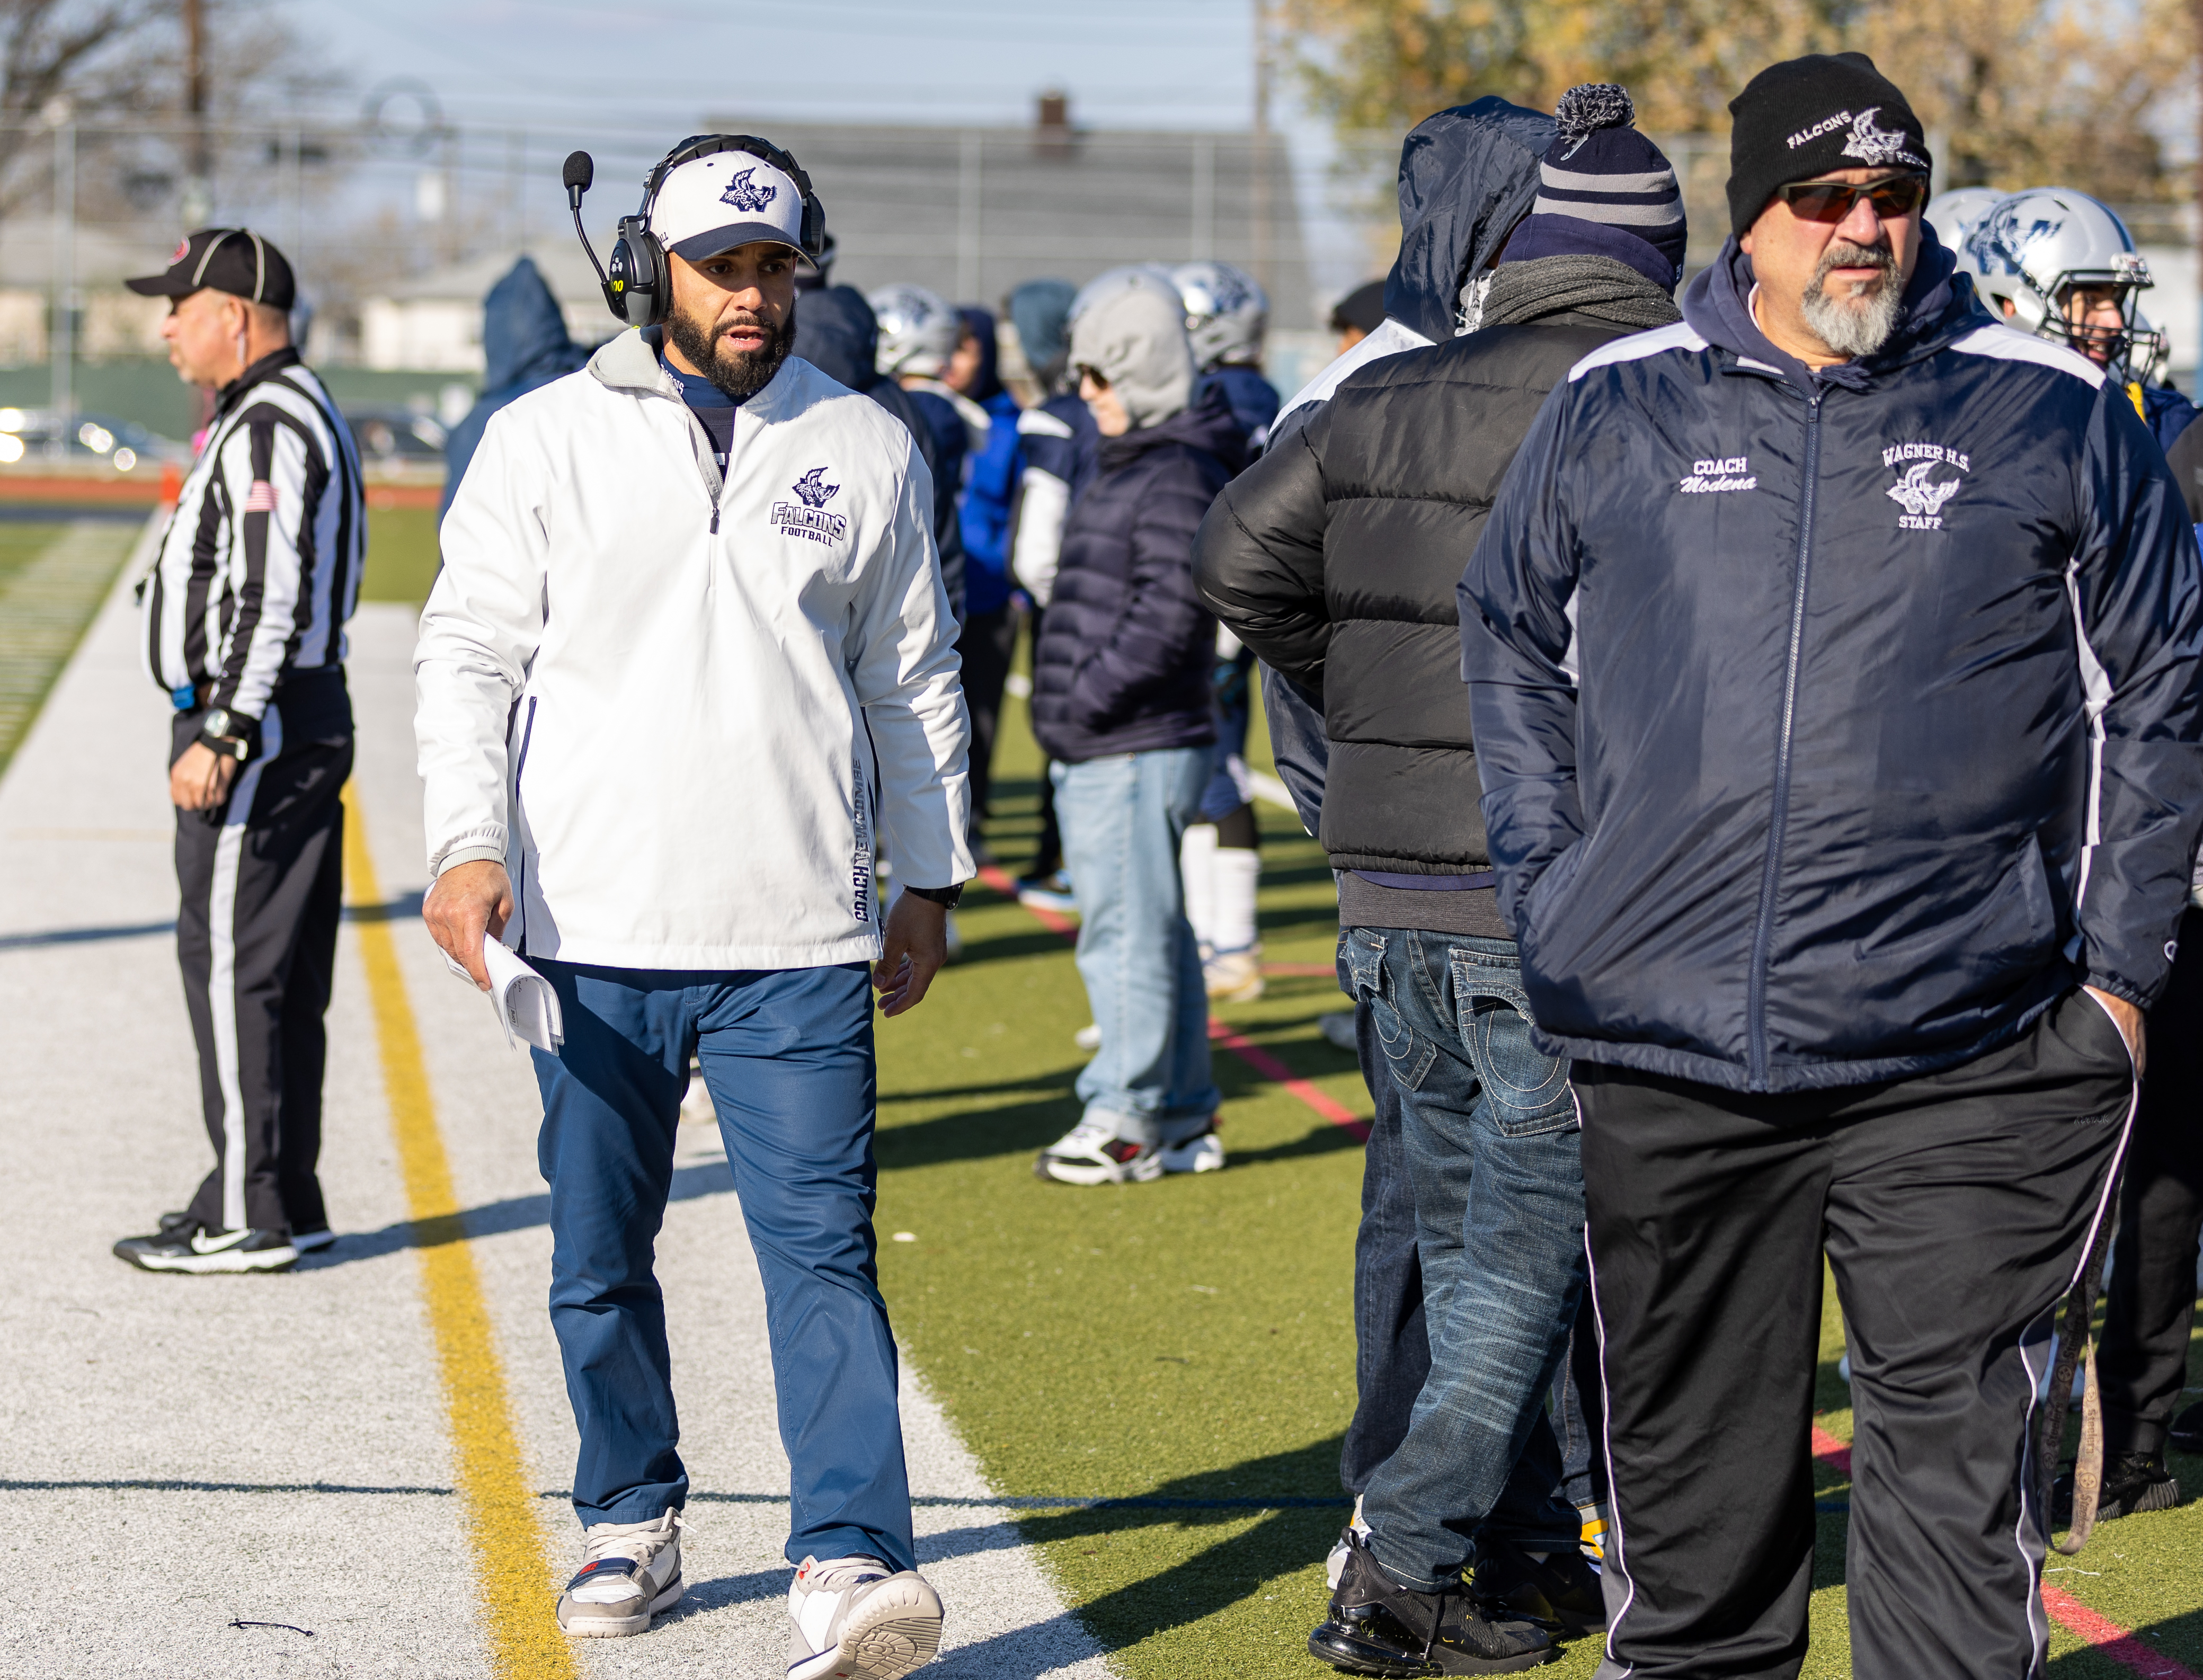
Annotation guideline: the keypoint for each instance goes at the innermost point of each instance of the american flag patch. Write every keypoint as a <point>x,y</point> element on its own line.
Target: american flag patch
<point>261,498</point>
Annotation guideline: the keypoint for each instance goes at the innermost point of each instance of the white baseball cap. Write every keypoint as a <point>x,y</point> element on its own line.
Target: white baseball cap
<point>712,204</point>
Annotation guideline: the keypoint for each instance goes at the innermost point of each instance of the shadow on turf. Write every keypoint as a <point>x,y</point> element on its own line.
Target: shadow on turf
<point>1280,1541</point>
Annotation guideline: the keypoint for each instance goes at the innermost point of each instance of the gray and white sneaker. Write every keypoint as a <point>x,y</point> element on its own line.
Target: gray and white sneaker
<point>854,1618</point>
<point>629,1572</point>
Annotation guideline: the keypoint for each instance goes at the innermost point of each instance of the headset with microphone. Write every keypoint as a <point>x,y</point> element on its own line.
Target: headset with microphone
<point>639,288</point>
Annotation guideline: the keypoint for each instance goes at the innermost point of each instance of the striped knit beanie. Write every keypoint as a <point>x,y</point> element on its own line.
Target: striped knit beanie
<point>1605,190</point>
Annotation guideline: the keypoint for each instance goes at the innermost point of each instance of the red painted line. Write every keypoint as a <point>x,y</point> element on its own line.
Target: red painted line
<point>1831,1451</point>
<point>2102,1634</point>
<point>2107,1636</point>
<point>1271,1069</point>
<point>1261,1060</point>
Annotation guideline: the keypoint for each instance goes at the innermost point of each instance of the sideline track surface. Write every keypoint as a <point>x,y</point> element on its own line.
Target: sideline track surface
<point>218,1477</point>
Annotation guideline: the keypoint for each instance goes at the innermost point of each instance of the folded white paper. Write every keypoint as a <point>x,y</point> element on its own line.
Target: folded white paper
<point>525,1004</point>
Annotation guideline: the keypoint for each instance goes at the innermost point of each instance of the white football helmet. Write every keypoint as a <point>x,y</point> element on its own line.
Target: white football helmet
<point>2031,248</point>
<point>918,330</point>
<point>1226,313</point>
<point>1953,213</point>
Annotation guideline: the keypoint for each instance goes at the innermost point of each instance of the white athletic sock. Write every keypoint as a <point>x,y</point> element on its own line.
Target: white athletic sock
<point>1235,874</point>
<point>1197,855</point>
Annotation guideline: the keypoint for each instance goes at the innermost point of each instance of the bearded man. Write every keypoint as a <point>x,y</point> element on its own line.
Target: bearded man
<point>689,662</point>
<point>1831,659</point>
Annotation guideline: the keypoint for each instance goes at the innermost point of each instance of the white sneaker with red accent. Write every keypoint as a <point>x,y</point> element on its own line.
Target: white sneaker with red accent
<point>629,1572</point>
<point>854,1618</point>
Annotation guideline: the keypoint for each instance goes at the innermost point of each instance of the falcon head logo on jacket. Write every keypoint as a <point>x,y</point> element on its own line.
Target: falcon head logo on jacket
<point>743,196</point>
<point>1877,146</point>
<point>812,491</point>
<point>1919,496</point>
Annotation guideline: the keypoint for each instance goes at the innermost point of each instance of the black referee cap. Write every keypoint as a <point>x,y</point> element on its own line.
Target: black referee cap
<point>235,260</point>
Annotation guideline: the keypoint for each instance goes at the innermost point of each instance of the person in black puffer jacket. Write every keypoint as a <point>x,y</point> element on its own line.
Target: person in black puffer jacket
<point>1334,558</point>
<point>1121,703</point>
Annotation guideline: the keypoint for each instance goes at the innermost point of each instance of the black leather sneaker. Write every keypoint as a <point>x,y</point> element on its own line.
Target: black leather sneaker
<point>1377,1627</point>
<point>1563,1589</point>
<point>188,1246</point>
<point>2132,1482</point>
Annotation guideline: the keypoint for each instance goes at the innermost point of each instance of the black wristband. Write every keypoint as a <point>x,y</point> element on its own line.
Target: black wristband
<point>946,897</point>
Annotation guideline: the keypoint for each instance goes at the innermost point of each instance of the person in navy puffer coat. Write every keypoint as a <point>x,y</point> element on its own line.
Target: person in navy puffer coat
<point>525,344</point>
<point>1121,701</point>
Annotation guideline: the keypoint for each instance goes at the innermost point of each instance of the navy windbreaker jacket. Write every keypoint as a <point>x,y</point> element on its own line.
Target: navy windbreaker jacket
<point>1832,727</point>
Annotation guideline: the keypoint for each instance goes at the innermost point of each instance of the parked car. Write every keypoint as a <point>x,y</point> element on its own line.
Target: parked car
<point>396,436</point>
<point>124,443</point>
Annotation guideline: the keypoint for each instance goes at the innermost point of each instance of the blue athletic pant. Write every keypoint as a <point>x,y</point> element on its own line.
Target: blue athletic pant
<point>788,1055</point>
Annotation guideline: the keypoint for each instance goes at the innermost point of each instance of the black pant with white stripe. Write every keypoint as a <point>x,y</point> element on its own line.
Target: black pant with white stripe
<point>2151,1303</point>
<point>261,879</point>
<point>1954,1209</point>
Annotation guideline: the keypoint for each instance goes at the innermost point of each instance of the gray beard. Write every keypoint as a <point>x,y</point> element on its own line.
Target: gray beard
<point>1854,326</point>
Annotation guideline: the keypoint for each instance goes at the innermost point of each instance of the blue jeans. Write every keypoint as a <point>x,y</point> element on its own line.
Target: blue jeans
<point>1494,1148</point>
<point>788,1055</point>
<point>1122,818</point>
<point>1391,1344</point>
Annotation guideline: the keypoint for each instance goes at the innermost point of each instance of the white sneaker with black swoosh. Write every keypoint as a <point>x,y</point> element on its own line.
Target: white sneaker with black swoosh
<point>187,1246</point>
<point>854,1618</point>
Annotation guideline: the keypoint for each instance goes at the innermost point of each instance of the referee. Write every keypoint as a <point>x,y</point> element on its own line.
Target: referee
<point>244,629</point>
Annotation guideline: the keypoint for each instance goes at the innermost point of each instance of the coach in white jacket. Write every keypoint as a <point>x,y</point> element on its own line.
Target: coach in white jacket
<point>669,708</point>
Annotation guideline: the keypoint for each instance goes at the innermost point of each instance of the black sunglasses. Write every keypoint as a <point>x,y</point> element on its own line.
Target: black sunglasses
<point>1832,201</point>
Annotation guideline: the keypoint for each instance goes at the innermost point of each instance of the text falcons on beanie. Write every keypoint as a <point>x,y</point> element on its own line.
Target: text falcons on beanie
<point>1811,117</point>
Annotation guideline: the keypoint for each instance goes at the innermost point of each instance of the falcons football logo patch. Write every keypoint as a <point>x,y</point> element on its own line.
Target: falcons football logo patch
<point>745,196</point>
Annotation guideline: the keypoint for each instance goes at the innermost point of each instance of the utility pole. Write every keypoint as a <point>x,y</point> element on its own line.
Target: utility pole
<point>61,339</point>
<point>1261,193</point>
<point>198,182</point>
<point>2195,13</point>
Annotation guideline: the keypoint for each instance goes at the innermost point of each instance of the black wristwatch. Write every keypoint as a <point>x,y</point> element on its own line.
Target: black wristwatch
<point>230,735</point>
<point>946,897</point>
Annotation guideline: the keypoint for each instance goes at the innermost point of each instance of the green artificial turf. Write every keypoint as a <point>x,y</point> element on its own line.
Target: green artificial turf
<point>22,544</point>
<point>401,554</point>
<point>1192,1339</point>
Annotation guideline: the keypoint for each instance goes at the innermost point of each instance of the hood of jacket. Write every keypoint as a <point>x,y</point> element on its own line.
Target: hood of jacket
<point>837,333</point>
<point>1136,339</point>
<point>525,343</point>
<point>1208,423</point>
<point>1466,176</point>
<point>989,379</point>
<point>1938,308</point>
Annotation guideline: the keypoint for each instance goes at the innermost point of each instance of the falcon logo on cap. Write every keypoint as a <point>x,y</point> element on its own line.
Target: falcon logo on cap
<point>1875,146</point>
<point>745,197</point>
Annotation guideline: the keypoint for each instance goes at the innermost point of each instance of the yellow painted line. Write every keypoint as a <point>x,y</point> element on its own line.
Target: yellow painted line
<point>501,1513</point>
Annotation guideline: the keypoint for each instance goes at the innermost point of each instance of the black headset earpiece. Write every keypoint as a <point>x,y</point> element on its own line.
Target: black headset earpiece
<point>638,289</point>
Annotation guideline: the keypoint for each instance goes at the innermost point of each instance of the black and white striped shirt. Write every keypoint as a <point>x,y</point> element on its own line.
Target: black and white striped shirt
<point>259,568</point>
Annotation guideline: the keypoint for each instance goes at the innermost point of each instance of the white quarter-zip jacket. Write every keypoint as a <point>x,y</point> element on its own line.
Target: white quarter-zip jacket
<point>685,713</point>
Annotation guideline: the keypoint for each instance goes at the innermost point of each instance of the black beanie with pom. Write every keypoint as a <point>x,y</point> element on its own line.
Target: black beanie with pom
<point>1603,190</point>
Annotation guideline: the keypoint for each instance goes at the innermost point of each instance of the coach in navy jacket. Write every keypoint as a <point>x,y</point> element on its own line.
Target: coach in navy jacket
<point>1832,660</point>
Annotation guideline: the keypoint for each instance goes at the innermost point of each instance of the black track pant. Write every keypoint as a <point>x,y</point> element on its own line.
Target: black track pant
<point>1954,1209</point>
<point>989,641</point>
<point>262,882</point>
<point>2142,1364</point>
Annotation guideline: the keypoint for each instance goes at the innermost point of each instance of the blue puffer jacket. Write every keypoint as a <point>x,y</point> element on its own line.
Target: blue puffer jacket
<point>1123,664</point>
<point>1833,727</point>
<point>524,344</point>
<point>991,483</point>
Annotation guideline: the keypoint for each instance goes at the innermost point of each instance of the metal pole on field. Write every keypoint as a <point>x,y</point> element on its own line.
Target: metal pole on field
<point>61,341</point>
<point>1204,198</point>
<point>968,223</point>
<point>199,183</point>
<point>1261,194</point>
<point>297,251</point>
